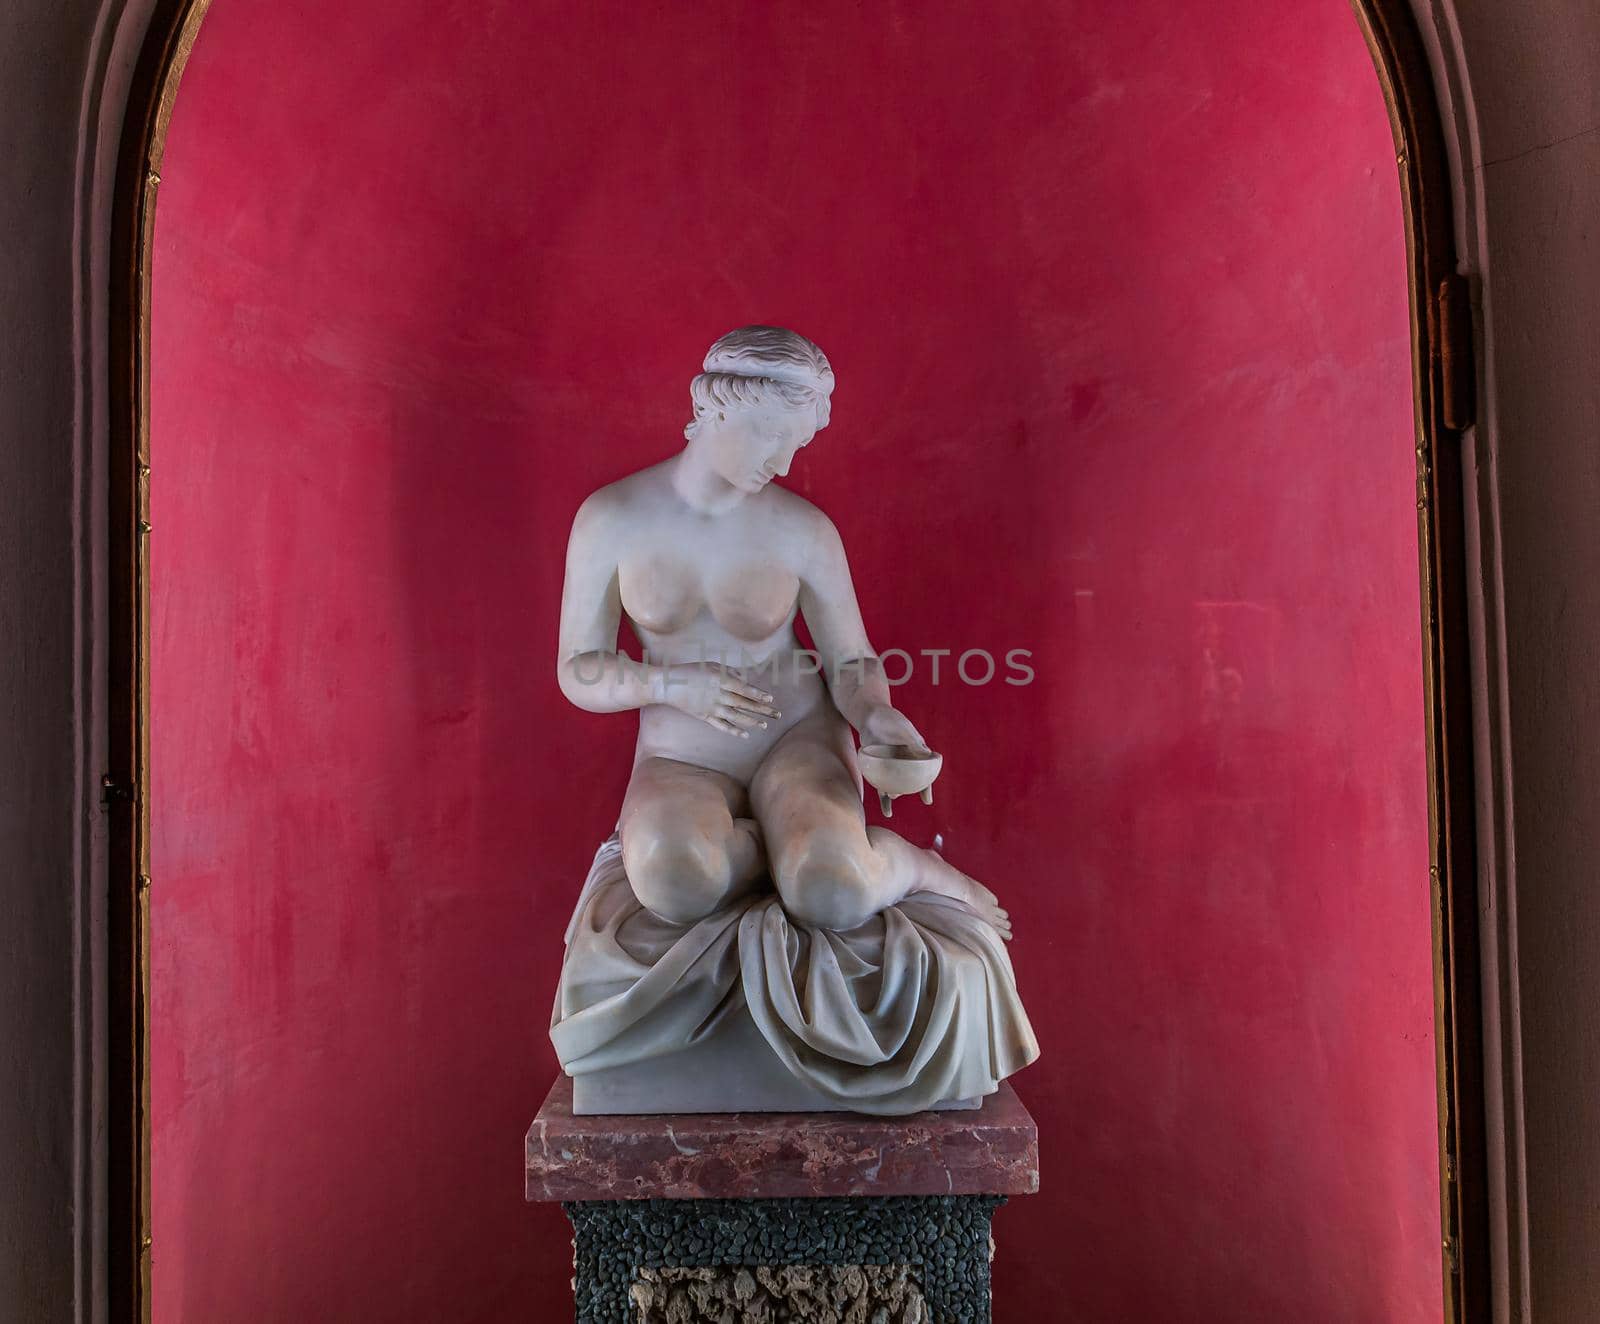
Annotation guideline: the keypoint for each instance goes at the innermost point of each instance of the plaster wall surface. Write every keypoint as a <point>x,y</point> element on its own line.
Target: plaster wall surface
<point>1117,303</point>
<point>1533,72</point>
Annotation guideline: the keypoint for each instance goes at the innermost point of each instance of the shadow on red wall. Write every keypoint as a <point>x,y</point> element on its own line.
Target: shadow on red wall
<point>1116,299</point>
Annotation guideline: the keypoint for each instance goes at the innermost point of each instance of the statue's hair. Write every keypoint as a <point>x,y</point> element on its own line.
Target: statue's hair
<point>761,365</point>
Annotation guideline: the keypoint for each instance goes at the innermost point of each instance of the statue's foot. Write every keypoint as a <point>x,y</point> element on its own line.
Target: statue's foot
<point>944,879</point>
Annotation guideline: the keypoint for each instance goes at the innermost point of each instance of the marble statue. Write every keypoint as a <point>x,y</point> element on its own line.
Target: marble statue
<point>745,939</point>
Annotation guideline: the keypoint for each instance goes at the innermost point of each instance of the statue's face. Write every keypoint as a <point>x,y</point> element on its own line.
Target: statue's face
<point>750,447</point>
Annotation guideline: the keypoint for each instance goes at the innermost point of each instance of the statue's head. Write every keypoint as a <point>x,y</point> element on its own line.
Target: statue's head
<point>763,395</point>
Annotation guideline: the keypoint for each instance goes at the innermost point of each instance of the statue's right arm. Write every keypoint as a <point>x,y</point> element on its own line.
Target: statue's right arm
<point>591,672</point>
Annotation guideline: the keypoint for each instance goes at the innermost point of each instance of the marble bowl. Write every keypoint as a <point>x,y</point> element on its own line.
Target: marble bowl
<point>899,770</point>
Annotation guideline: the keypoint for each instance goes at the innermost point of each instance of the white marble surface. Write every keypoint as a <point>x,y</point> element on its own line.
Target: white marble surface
<point>746,779</point>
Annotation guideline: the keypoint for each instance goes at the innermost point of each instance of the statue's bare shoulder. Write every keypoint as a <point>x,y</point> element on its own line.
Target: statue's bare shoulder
<point>799,523</point>
<point>818,550</point>
<point>609,511</point>
<point>790,507</point>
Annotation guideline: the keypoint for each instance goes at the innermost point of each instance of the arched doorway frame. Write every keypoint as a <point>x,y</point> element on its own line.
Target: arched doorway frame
<point>1443,400</point>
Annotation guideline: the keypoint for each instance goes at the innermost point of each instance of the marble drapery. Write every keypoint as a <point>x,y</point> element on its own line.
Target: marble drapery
<point>915,1007</point>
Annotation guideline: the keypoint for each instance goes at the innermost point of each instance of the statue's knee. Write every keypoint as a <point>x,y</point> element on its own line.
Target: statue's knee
<point>825,882</point>
<point>678,879</point>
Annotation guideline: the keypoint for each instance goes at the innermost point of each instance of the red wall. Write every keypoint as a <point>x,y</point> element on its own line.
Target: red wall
<point>1115,294</point>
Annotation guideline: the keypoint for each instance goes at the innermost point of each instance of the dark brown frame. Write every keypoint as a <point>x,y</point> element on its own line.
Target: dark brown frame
<point>168,40</point>
<point>1444,379</point>
<point>1443,376</point>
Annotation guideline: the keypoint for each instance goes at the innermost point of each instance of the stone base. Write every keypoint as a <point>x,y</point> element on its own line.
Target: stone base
<point>903,1260</point>
<point>992,1150</point>
<point>733,1071</point>
<point>750,1218</point>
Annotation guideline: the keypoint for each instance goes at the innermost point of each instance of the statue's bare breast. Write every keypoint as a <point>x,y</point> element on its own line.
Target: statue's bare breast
<point>670,594</point>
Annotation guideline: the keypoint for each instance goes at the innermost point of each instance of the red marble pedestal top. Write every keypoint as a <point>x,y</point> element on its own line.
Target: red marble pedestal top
<point>992,1150</point>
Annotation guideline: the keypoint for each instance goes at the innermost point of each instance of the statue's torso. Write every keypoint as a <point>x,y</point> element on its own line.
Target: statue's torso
<point>720,589</point>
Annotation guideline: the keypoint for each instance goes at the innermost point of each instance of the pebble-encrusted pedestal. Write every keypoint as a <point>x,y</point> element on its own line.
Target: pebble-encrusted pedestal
<point>762,1216</point>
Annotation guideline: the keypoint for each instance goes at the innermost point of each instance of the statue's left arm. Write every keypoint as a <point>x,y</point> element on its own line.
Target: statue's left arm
<point>854,674</point>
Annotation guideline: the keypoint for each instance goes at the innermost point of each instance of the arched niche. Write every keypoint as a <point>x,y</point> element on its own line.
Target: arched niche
<point>1436,307</point>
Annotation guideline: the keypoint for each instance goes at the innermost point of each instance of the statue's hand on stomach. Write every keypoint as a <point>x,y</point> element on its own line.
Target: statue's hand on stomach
<point>745,767</point>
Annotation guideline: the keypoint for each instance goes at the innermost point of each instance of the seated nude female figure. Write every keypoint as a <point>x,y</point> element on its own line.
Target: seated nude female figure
<point>744,766</point>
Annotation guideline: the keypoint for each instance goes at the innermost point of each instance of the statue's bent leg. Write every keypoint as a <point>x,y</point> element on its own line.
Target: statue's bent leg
<point>832,870</point>
<point>686,851</point>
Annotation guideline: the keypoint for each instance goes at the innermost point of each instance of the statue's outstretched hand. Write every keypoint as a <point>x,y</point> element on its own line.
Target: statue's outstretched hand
<point>718,696</point>
<point>886,725</point>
